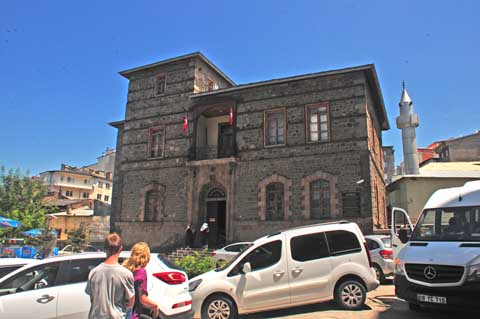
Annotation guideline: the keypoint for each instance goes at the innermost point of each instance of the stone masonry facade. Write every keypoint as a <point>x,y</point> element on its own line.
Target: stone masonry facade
<point>162,183</point>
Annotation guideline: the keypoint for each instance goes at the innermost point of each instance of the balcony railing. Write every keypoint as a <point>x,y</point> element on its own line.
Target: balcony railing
<point>200,153</point>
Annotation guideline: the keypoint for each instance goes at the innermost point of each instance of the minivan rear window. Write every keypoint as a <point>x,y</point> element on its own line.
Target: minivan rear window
<point>342,242</point>
<point>309,247</point>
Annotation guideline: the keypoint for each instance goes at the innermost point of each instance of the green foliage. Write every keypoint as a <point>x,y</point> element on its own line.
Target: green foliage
<point>21,198</point>
<point>195,264</point>
<point>78,238</point>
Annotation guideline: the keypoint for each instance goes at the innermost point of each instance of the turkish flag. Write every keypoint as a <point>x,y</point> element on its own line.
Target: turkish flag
<point>185,124</point>
<point>231,117</point>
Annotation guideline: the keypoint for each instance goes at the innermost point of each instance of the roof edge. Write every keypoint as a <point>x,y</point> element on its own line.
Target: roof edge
<point>128,72</point>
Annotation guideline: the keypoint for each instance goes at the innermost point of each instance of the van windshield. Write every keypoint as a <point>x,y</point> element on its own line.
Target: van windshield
<point>448,224</point>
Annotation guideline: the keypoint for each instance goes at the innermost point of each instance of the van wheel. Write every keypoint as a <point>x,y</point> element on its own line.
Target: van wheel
<point>219,307</point>
<point>350,295</point>
<point>379,273</point>
<point>414,307</point>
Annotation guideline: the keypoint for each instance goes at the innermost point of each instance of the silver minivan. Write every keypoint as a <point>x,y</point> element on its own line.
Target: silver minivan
<point>298,266</point>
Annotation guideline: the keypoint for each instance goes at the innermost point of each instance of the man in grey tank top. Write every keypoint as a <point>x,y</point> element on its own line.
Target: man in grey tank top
<point>110,285</point>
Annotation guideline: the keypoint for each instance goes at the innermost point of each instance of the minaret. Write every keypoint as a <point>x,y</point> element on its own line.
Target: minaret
<point>407,122</point>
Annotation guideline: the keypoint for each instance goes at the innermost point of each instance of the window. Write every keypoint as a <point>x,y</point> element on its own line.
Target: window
<point>6,270</point>
<point>342,242</point>
<point>68,193</point>
<point>70,179</point>
<point>236,248</point>
<point>85,181</point>
<point>309,247</point>
<point>318,123</point>
<point>264,256</point>
<point>275,201</point>
<point>105,198</point>
<point>351,204</point>
<point>157,141</point>
<point>61,178</point>
<point>79,269</point>
<point>85,195</point>
<point>371,244</point>
<point>100,184</point>
<point>99,196</point>
<point>152,206</point>
<point>275,127</point>
<point>319,199</point>
<point>107,185</point>
<point>33,278</point>
<point>160,84</point>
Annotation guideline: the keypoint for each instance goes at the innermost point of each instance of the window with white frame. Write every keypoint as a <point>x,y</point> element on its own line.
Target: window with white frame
<point>275,129</point>
<point>156,142</point>
<point>160,84</point>
<point>318,125</point>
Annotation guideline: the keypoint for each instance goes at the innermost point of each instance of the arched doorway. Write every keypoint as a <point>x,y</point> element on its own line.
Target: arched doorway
<point>213,203</point>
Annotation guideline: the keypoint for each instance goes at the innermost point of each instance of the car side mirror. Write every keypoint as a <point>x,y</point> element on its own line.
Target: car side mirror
<point>246,268</point>
<point>403,235</point>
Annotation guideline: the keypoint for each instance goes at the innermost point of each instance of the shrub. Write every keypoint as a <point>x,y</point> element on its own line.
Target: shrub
<point>195,264</point>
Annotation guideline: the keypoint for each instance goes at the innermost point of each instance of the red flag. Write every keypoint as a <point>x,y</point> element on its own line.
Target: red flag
<point>185,124</point>
<point>231,117</point>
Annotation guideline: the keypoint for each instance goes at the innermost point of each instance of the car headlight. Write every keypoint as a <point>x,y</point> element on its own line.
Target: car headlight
<point>474,273</point>
<point>192,285</point>
<point>399,270</point>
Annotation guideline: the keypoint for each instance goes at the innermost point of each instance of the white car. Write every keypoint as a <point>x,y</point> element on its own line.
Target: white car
<point>68,250</point>
<point>289,268</point>
<point>228,252</point>
<point>8,265</point>
<point>380,247</point>
<point>55,288</point>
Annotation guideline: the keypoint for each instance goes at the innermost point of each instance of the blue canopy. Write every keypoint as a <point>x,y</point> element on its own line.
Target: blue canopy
<point>7,222</point>
<point>36,232</point>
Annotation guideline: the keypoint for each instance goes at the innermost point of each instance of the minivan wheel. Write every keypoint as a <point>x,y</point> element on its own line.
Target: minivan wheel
<point>379,273</point>
<point>350,295</point>
<point>219,307</point>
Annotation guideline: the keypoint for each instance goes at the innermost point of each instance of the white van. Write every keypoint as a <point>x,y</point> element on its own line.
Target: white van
<point>439,263</point>
<point>289,268</point>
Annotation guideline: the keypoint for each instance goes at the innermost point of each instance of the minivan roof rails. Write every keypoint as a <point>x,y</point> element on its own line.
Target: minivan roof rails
<point>308,226</point>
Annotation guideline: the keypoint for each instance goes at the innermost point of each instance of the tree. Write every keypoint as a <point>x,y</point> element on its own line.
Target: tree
<point>21,198</point>
<point>78,238</point>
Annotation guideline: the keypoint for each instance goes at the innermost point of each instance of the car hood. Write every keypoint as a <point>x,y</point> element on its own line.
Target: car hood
<point>443,253</point>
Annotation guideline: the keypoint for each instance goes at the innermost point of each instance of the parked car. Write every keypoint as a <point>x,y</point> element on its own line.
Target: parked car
<point>68,250</point>
<point>8,265</point>
<point>289,268</point>
<point>438,261</point>
<point>228,252</point>
<point>380,247</point>
<point>55,288</point>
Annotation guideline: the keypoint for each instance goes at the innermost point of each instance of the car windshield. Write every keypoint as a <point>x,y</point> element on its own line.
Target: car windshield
<point>449,224</point>
<point>235,258</point>
<point>387,242</point>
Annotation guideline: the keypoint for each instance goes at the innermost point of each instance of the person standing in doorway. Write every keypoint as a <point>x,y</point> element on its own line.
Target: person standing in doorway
<point>189,237</point>
<point>109,285</point>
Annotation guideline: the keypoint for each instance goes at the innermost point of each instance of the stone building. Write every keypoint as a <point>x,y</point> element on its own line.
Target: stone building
<point>461,149</point>
<point>248,159</point>
<point>388,163</point>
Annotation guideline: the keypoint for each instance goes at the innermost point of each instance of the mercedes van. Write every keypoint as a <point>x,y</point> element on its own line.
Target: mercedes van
<point>438,262</point>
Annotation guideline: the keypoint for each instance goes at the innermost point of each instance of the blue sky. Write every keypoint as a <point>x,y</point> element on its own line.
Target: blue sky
<point>59,85</point>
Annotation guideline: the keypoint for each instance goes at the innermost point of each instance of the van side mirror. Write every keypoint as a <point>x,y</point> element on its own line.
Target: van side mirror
<point>403,235</point>
<point>246,268</point>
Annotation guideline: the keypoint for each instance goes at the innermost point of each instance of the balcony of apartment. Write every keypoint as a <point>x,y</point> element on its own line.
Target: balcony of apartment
<point>213,133</point>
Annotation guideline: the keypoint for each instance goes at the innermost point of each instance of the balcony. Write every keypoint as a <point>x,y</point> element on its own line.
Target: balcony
<point>214,134</point>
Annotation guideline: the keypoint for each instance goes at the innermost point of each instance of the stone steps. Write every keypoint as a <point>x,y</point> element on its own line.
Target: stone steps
<point>183,252</point>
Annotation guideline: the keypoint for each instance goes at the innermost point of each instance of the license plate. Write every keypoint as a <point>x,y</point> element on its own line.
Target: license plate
<point>431,299</point>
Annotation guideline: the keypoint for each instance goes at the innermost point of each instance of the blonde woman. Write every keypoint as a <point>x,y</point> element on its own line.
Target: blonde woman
<point>136,263</point>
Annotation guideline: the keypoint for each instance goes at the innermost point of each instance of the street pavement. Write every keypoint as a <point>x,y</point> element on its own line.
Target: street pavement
<point>381,304</point>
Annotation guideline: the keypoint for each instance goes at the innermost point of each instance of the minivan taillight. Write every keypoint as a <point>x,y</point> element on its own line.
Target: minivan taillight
<point>368,254</point>
<point>386,253</point>
<point>213,253</point>
<point>171,277</point>
<point>182,304</point>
